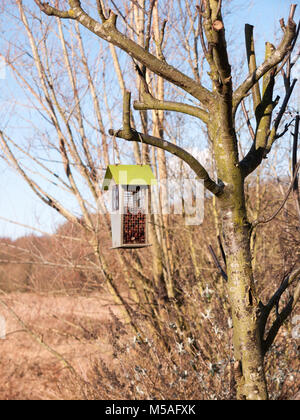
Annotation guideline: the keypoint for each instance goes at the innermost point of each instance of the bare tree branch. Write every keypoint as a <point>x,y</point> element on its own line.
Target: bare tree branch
<point>101,10</point>
<point>109,32</point>
<point>294,165</point>
<point>283,315</point>
<point>51,11</point>
<point>149,102</point>
<point>127,133</point>
<point>255,155</point>
<point>264,221</point>
<point>43,195</point>
<point>268,64</point>
<point>250,48</point>
<point>252,134</point>
<point>217,263</point>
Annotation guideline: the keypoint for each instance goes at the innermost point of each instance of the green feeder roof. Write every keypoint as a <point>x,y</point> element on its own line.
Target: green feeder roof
<point>129,175</point>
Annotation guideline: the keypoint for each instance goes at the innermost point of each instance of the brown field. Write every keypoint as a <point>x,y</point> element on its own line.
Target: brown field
<point>73,326</point>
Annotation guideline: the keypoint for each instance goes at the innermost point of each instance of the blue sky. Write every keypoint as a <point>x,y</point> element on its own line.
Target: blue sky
<point>17,201</point>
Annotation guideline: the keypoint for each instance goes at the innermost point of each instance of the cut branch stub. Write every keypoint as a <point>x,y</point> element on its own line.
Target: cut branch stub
<point>217,25</point>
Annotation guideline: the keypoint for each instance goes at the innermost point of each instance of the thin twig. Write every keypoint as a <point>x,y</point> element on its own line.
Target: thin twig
<point>263,221</point>
<point>124,18</point>
<point>266,309</point>
<point>39,230</point>
<point>148,29</point>
<point>222,250</point>
<point>218,265</point>
<point>101,10</point>
<point>204,49</point>
<point>251,131</point>
<point>284,105</point>
<point>39,340</point>
<point>280,316</point>
<point>294,165</point>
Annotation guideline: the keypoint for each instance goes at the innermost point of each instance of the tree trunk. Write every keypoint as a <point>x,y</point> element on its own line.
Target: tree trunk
<point>244,303</point>
<point>236,236</point>
<point>245,309</point>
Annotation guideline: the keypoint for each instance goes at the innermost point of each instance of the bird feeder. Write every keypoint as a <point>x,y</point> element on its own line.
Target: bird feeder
<point>129,187</point>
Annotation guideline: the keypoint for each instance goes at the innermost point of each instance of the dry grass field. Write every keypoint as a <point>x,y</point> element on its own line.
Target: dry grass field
<point>73,326</point>
<point>76,328</point>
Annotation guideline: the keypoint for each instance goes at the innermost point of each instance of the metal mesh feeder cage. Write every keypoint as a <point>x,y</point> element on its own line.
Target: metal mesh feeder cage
<point>129,186</point>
